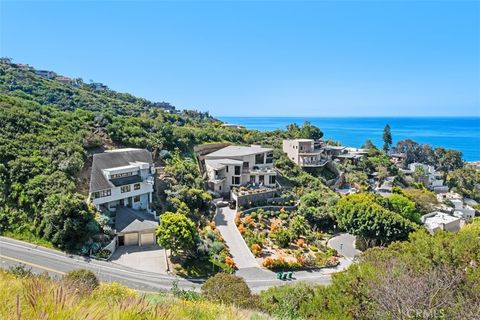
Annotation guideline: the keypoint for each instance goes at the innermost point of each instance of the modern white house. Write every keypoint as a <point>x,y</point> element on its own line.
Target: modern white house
<point>122,181</point>
<point>234,166</point>
<point>304,152</point>
<point>462,210</point>
<point>122,177</point>
<point>436,221</point>
<point>432,179</point>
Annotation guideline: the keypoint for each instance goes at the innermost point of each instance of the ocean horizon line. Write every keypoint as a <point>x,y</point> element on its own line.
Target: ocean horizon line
<point>356,117</point>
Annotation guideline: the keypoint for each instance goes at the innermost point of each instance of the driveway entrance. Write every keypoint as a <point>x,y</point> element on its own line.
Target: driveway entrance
<point>147,258</point>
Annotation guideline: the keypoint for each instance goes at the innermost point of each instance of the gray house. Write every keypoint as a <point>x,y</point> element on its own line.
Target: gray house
<point>122,181</point>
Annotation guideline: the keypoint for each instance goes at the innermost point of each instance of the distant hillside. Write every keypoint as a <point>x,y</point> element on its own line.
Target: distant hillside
<point>48,131</point>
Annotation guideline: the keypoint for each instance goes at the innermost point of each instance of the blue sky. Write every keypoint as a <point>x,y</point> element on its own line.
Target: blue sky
<point>252,58</point>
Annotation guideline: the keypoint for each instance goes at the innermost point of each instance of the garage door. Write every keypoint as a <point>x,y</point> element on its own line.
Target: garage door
<point>147,238</point>
<point>131,239</point>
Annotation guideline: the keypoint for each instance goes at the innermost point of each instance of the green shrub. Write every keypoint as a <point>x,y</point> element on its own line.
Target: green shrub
<point>83,278</point>
<point>227,288</point>
<point>282,238</point>
<point>283,216</point>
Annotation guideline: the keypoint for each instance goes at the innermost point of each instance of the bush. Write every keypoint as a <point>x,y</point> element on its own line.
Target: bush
<point>282,238</point>
<point>283,216</point>
<point>280,264</point>
<point>102,254</point>
<point>256,249</point>
<point>227,288</point>
<point>83,278</point>
<point>284,301</point>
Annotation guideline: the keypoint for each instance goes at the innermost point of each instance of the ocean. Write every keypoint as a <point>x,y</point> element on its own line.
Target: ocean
<point>460,133</point>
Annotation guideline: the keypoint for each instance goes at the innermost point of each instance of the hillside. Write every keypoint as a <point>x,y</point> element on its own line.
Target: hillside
<point>42,298</point>
<point>48,132</point>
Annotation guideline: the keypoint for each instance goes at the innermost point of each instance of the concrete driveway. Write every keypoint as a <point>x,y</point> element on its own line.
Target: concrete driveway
<point>344,243</point>
<point>225,222</point>
<point>146,258</point>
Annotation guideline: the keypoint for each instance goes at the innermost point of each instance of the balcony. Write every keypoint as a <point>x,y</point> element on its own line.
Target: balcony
<point>217,179</point>
<point>259,170</point>
<point>313,163</point>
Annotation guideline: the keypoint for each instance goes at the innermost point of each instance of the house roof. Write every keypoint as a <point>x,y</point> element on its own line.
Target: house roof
<point>129,220</point>
<point>436,218</point>
<point>218,164</point>
<point>119,158</point>
<point>237,151</point>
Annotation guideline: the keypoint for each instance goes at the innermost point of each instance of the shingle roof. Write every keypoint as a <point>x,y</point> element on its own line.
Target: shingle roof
<point>129,220</point>
<point>112,160</point>
<point>236,151</point>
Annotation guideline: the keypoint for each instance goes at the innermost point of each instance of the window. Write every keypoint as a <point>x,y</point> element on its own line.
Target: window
<point>101,194</point>
<point>226,168</point>
<point>220,188</point>
<point>236,180</point>
<point>261,179</point>
<point>136,186</point>
<point>237,170</point>
<point>121,175</point>
<point>252,179</point>
<point>124,189</point>
<point>136,199</point>
<point>260,158</point>
<point>269,157</point>
<point>272,179</point>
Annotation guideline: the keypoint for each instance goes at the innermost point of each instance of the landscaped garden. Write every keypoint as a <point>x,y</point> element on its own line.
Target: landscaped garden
<point>282,239</point>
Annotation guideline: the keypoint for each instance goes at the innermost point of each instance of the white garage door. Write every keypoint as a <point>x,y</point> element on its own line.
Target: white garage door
<point>131,239</point>
<point>147,238</point>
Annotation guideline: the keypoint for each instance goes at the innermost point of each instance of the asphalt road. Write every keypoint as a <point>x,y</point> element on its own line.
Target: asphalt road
<point>344,243</point>
<point>57,263</point>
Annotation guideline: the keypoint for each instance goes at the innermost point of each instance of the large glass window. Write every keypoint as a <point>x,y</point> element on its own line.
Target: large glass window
<point>235,180</point>
<point>124,189</point>
<point>269,157</point>
<point>237,170</point>
<point>260,158</point>
<point>101,194</point>
<point>122,175</point>
<point>136,199</point>
<point>136,186</point>
<point>272,179</point>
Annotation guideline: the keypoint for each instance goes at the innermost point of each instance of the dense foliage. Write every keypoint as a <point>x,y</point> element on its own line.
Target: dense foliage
<point>370,217</point>
<point>426,277</point>
<point>176,232</point>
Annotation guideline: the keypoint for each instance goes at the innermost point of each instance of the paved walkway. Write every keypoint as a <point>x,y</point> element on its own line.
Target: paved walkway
<point>344,243</point>
<point>225,222</point>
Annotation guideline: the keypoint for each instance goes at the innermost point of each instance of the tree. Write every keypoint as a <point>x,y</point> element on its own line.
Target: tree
<point>447,160</point>
<point>387,138</point>
<point>362,214</point>
<point>403,206</point>
<point>67,221</point>
<point>466,181</point>
<point>227,288</point>
<point>298,226</point>
<point>176,232</point>
<point>316,207</point>
<point>368,144</point>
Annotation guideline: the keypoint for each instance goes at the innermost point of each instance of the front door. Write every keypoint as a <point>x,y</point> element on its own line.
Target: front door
<point>130,202</point>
